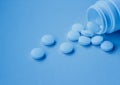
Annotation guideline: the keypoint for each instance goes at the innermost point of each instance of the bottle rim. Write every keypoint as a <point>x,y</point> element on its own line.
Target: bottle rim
<point>100,14</point>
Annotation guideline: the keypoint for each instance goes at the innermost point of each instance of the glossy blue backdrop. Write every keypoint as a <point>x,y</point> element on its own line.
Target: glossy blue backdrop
<point>22,24</point>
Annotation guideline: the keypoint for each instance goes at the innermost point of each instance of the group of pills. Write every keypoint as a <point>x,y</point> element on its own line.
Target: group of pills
<point>85,37</point>
<point>79,33</point>
<point>40,53</point>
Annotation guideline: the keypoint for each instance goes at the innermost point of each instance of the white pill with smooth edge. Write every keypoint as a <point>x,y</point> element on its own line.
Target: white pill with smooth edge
<point>48,40</point>
<point>107,46</point>
<point>83,40</point>
<point>73,35</point>
<point>97,40</point>
<point>37,53</point>
<point>87,33</point>
<point>77,27</point>
<point>66,47</point>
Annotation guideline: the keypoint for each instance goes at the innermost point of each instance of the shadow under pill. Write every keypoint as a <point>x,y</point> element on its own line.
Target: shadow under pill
<point>86,46</point>
<point>42,59</point>
<point>112,51</point>
<point>71,53</point>
<point>52,45</point>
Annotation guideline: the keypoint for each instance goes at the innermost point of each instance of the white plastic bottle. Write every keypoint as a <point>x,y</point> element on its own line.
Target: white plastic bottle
<point>106,13</point>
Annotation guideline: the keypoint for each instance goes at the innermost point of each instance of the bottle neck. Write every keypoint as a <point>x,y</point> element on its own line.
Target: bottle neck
<point>103,13</point>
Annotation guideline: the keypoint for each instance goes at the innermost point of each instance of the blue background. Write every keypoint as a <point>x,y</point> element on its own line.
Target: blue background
<point>24,22</point>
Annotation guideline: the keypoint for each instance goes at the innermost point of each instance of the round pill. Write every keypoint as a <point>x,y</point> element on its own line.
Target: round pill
<point>83,40</point>
<point>77,27</point>
<point>66,47</point>
<point>37,53</point>
<point>87,33</point>
<point>97,40</point>
<point>107,46</point>
<point>93,27</point>
<point>73,35</point>
<point>48,40</point>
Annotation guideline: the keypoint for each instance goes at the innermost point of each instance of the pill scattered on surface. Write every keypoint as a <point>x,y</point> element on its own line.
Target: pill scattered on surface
<point>66,48</point>
<point>97,40</point>
<point>77,27</point>
<point>73,35</point>
<point>83,40</point>
<point>87,33</point>
<point>48,40</point>
<point>107,46</point>
<point>93,27</point>
<point>37,53</point>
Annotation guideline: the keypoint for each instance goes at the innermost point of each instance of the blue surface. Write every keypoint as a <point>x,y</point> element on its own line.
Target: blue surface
<point>22,24</point>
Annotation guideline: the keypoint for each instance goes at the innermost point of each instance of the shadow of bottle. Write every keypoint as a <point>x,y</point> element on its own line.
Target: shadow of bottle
<point>115,38</point>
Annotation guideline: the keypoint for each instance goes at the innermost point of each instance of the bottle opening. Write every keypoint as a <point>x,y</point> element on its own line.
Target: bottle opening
<point>95,16</point>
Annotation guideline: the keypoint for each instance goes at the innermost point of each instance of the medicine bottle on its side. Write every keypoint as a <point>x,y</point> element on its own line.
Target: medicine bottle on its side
<point>106,13</point>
